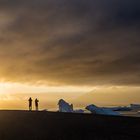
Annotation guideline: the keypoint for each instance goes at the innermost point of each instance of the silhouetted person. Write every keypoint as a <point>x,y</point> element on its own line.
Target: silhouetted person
<point>36,104</point>
<point>71,106</point>
<point>30,103</point>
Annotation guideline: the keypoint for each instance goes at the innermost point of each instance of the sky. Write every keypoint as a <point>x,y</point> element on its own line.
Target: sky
<point>76,46</point>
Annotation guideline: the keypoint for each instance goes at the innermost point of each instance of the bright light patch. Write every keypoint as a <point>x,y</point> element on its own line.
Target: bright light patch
<point>26,88</point>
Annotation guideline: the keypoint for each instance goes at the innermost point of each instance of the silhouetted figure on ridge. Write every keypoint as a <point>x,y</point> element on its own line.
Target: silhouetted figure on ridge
<point>30,103</point>
<point>36,104</point>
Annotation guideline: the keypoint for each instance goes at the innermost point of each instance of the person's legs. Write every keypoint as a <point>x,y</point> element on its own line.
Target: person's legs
<point>30,108</point>
<point>36,108</point>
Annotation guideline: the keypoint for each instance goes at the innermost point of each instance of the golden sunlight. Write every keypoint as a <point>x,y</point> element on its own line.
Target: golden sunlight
<point>8,87</point>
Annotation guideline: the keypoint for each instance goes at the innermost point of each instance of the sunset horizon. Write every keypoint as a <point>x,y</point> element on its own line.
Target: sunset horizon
<point>70,47</point>
<point>69,69</point>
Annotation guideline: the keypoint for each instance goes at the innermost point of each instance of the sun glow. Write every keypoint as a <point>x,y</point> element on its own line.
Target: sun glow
<point>7,87</point>
<point>4,87</point>
<point>15,95</point>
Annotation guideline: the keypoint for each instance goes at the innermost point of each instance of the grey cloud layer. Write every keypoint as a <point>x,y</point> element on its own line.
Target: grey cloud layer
<point>78,42</point>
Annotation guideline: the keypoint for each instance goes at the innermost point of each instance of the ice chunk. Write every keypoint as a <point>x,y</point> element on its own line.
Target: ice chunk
<point>98,110</point>
<point>64,106</point>
<point>135,106</point>
<point>79,111</point>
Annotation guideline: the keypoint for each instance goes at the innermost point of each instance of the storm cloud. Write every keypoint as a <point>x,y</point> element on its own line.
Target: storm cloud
<point>76,42</point>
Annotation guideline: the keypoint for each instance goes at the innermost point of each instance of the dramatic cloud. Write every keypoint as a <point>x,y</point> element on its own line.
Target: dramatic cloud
<point>76,42</point>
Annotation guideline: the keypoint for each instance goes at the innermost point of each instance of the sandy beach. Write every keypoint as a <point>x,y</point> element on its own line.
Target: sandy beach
<point>25,125</point>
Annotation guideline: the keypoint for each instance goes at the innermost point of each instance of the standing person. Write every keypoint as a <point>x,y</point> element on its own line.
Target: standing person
<point>36,104</point>
<point>30,104</point>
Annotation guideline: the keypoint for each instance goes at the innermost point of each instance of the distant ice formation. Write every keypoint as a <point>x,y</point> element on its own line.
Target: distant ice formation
<point>78,111</point>
<point>102,111</point>
<point>135,106</point>
<point>66,107</point>
<point>119,108</point>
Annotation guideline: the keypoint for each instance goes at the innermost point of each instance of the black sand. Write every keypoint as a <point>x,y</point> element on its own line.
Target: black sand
<point>24,125</point>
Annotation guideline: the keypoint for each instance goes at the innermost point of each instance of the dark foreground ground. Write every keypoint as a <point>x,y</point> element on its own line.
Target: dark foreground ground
<point>23,125</point>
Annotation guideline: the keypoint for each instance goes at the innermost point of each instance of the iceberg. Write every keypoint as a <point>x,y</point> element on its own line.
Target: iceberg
<point>64,106</point>
<point>102,111</point>
<point>135,106</point>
